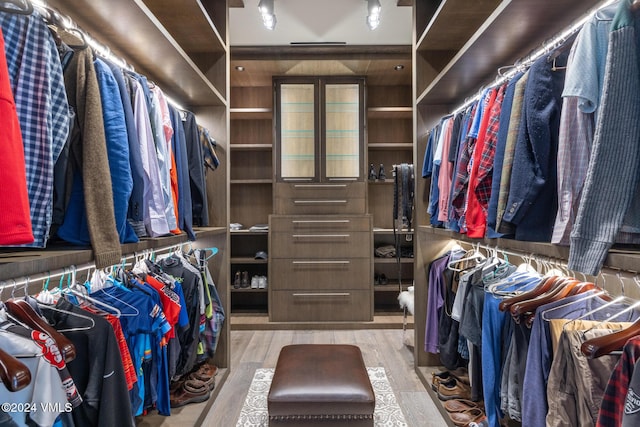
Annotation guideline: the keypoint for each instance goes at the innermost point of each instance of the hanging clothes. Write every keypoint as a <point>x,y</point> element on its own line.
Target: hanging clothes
<point>35,74</point>
<point>15,222</point>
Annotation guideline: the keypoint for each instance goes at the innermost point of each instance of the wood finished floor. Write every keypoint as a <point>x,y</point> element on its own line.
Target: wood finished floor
<point>380,347</point>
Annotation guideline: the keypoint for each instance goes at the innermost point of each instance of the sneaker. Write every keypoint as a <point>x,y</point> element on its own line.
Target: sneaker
<point>381,174</point>
<point>245,280</point>
<point>262,282</point>
<point>254,282</point>
<point>372,173</point>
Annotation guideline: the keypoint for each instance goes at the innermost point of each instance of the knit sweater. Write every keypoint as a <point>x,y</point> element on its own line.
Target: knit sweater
<point>612,178</point>
<point>88,147</point>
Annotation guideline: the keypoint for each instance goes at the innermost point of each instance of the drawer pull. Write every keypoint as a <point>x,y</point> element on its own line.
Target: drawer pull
<point>320,186</point>
<point>319,202</point>
<point>311,236</point>
<point>323,294</point>
<point>325,262</point>
<point>297,179</point>
<point>343,179</point>
<point>322,221</point>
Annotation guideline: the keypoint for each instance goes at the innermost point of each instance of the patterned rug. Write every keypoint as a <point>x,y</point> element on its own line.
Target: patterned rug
<point>254,410</point>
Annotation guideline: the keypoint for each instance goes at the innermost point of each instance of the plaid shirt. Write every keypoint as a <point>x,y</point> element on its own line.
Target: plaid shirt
<point>612,408</point>
<point>41,102</point>
<point>461,176</point>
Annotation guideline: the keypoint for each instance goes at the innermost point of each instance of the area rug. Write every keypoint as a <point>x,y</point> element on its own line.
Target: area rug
<point>254,411</point>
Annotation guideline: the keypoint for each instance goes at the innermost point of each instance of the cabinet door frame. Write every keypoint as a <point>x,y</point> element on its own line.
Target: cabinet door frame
<point>319,126</point>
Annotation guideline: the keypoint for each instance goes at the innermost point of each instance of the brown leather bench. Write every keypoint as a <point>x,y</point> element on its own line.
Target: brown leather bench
<point>321,384</point>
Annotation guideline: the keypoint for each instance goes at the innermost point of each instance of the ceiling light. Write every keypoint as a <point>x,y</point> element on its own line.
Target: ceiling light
<point>373,13</point>
<point>239,68</point>
<point>399,67</point>
<point>268,16</point>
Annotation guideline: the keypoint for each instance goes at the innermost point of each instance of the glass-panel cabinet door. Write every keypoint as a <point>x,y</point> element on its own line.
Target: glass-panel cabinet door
<point>342,125</point>
<point>297,131</point>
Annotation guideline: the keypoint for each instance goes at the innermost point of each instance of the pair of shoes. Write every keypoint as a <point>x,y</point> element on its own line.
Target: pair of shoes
<point>439,377</point>
<point>380,279</point>
<point>461,405</point>
<point>244,283</point>
<point>453,389</point>
<point>259,282</point>
<point>190,391</point>
<point>205,373</point>
<point>237,280</point>
<point>465,418</point>
<point>381,175</point>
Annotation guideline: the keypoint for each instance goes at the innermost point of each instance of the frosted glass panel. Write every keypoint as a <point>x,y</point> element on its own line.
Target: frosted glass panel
<point>297,131</point>
<point>342,133</point>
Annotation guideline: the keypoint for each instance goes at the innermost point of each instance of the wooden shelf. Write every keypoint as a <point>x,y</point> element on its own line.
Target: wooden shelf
<point>247,290</point>
<point>16,263</point>
<point>392,286</point>
<point>390,146</point>
<point>514,29</point>
<point>250,181</point>
<point>134,33</point>
<point>617,259</point>
<point>378,260</point>
<point>390,112</point>
<point>249,232</point>
<point>251,147</point>
<point>247,260</point>
<point>390,231</point>
<point>251,113</point>
<point>378,182</point>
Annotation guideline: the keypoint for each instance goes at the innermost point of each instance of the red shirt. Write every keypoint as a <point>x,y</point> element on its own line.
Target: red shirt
<point>170,303</point>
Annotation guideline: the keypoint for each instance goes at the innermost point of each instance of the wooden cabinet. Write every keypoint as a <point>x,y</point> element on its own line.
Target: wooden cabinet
<point>320,268</point>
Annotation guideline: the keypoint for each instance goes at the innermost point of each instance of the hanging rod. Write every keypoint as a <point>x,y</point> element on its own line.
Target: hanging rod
<point>525,62</point>
<point>26,280</point>
<point>66,23</point>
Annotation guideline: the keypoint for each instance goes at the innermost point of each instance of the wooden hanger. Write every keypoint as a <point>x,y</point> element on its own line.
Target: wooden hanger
<point>21,310</point>
<point>603,345</point>
<point>14,374</point>
<point>20,7</point>
<point>545,285</point>
<point>560,291</point>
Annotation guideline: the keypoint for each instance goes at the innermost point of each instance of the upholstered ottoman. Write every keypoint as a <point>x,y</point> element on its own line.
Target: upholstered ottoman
<point>321,385</point>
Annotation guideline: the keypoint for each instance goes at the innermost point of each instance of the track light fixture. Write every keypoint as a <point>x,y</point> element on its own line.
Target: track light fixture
<point>373,14</point>
<point>268,15</point>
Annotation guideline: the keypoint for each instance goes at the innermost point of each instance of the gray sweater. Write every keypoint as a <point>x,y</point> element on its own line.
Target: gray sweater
<point>610,201</point>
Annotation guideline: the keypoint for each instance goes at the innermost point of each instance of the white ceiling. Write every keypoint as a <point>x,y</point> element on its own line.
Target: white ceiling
<point>319,21</point>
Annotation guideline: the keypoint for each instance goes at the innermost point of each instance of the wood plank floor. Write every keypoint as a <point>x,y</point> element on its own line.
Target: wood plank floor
<point>380,347</point>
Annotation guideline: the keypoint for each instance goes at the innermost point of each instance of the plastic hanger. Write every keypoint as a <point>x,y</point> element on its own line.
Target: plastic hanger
<point>81,293</point>
<point>476,255</point>
<point>585,298</point>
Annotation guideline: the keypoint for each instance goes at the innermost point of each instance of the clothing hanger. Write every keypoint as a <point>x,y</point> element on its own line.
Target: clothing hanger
<point>545,285</point>
<point>559,291</point>
<point>14,374</point>
<point>22,311</point>
<point>81,292</point>
<point>475,255</point>
<point>605,344</point>
<point>584,298</point>
<point>20,7</point>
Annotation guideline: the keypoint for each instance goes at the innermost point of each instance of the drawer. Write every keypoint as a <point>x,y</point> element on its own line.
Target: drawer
<point>300,223</point>
<point>322,306</point>
<point>313,190</point>
<point>320,198</point>
<point>321,245</point>
<point>317,206</point>
<point>320,274</point>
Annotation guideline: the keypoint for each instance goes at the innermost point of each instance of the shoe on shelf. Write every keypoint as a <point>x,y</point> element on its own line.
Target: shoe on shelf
<point>191,391</point>
<point>454,390</point>
<point>439,377</point>
<point>237,280</point>
<point>376,279</point>
<point>245,280</point>
<point>463,419</point>
<point>254,282</point>
<point>383,279</point>
<point>372,173</point>
<point>262,282</point>
<point>381,174</point>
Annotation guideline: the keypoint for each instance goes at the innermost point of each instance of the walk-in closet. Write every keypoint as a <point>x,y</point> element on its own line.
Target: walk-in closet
<point>299,212</point>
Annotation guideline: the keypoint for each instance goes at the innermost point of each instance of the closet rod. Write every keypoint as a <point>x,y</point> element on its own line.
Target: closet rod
<point>101,49</point>
<point>525,62</point>
<point>521,254</point>
<point>26,280</point>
